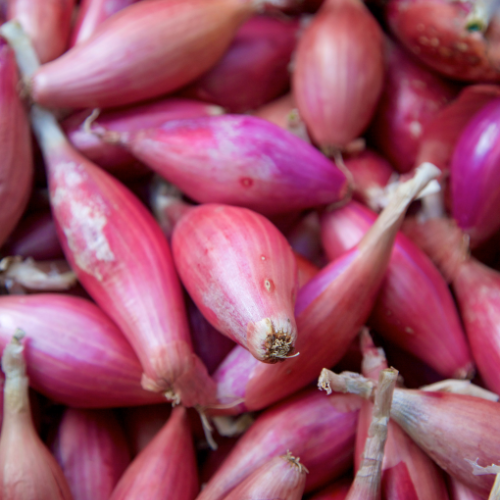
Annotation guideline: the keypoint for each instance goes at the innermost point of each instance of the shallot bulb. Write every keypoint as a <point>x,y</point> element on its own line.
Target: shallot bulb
<point>475,175</point>
<point>46,22</point>
<point>242,274</point>
<point>339,72</point>
<point>143,51</point>
<point>28,471</point>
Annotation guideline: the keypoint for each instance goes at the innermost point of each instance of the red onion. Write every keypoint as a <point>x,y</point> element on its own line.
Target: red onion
<point>254,70</point>
<point>16,168</point>
<point>370,173</point>
<point>282,478</point>
<point>476,287</point>
<point>337,491</point>
<point>411,98</point>
<point>475,175</point>
<point>166,466</point>
<point>91,14</point>
<point>453,429</point>
<point>455,39</point>
<point>339,298</point>
<point>306,269</point>
<point>441,134</point>
<point>460,492</point>
<point>27,469</point>
<point>46,22</point>
<point>113,157</point>
<point>238,160</point>
<point>414,309</point>
<point>320,431</point>
<point>92,452</point>
<point>36,237</point>
<point>305,239</point>
<point>241,273</point>
<point>110,68</point>
<point>75,354</point>
<point>339,72</point>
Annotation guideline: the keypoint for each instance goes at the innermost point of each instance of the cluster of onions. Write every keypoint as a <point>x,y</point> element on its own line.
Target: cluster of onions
<point>226,202</point>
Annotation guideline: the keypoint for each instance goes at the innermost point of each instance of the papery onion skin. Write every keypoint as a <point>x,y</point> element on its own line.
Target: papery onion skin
<point>110,68</point>
<point>239,160</point>
<point>91,14</point>
<point>475,175</point>
<point>412,96</point>
<point>460,492</point>
<point>16,164</point>
<point>241,273</point>
<point>92,451</point>
<point>113,157</point>
<point>123,261</point>
<point>320,432</point>
<point>76,355</point>
<point>404,314</point>
<point>338,73</point>
<point>46,22</point>
<point>337,491</point>
<point>254,70</point>
<point>167,464</point>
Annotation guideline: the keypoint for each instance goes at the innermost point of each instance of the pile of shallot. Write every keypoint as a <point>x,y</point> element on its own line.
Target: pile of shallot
<point>249,249</point>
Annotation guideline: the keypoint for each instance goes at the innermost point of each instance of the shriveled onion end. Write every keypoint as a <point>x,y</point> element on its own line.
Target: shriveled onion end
<point>295,462</point>
<point>152,385</point>
<point>271,341</point>
<point>13,364</point>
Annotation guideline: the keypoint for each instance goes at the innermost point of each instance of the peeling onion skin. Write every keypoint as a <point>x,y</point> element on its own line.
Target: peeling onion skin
<point>109,69</point>
<point>320,431</point>
<point>16,164</point>
<point>91,14</point>
<point>436,32</point>
<point>123,261</point>
<point>242,274</point>
<point>339,72</point>
<point>92,451</point>
<point>46,22</point>
<point>475,175</point>
<point>76,355</point>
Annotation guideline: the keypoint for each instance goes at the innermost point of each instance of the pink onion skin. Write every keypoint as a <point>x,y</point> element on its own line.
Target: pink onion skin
<point>16,164</point>
<point>282,478</point>
<point>411,98</point>
<point>216,457</point>
<point>241,273</point>
<point>320,431</point>
<point>305,239</point>
<point>441,134</point>
<point>239,160</point>
<point>306,269</point>
<point>475,175</point>
<point>254,70</point>
<point>339,72</point>
<point>75,354</point>
<point>27,468</point>
<point>336,491</point>
<point>123,261</point>
<point>113,157</point>
<point>166,467</point>
<point>209,344</point>
<point>451,428</point>
<point>109,69</point>
<point>91,15</point>
<point>92,451</point>
<point>371,173</point>
<point>460,492</point>
<point>436,33</point>
<point>36,237</point>
<point>142,423</point>
<point>404,314</point>
<point>47,24</point>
